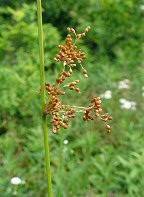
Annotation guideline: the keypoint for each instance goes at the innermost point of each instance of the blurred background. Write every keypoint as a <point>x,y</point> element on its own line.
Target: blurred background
<point>86,160</point>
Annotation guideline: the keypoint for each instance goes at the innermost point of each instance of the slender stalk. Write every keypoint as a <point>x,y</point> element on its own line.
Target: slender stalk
<point>43,97</point>
<point>61,169</point>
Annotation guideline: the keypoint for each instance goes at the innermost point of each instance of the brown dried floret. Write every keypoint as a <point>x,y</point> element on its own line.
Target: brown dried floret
<point>69,55</point>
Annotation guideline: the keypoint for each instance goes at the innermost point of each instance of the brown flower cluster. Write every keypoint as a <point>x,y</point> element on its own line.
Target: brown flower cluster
<point>68,52</point>
<point>69,55</point>
<point>63,75</point>
<point>72,85</point>
<point>63,121</point>
<point>55,108</point>
<point>96,109</point>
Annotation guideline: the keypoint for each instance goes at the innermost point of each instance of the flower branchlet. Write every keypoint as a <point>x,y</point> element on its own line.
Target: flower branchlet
<point>70,56</point>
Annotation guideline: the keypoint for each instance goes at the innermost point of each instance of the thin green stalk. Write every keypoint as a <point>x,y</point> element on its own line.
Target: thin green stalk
<point>43,97</point>
<point>61,169</point>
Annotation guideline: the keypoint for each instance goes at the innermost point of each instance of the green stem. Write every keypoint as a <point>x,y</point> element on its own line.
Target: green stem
<point>43,97</point>
<point>61,165</point>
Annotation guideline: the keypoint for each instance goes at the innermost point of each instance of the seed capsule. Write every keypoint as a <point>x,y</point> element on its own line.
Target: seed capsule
<point>69,29</point>
<point>85,75</point>
<point>83,35</point>
<point>108,128</point>
<point>110,118</point>
<point>78,90</point>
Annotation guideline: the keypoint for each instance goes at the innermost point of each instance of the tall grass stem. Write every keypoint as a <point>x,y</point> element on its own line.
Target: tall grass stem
<point>43,97</point>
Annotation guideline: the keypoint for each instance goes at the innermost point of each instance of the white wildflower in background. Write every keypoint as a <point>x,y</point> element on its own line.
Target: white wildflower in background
<point>141,7</point>
<point>122,101</point>
<point>125,104</point>
<point>125,84</point>
<point>107,94</point>
<point>65,142</point>
<point>16,181</point>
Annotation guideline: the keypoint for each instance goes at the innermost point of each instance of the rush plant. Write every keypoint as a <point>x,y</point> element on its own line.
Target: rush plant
<point>69,57</point>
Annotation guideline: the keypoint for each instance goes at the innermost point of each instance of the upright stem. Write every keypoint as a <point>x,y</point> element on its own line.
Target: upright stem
<point>61,169</point>
<point>43,98</point>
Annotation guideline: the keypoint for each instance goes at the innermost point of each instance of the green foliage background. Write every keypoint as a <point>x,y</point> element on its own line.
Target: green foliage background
<point>93,163</point>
